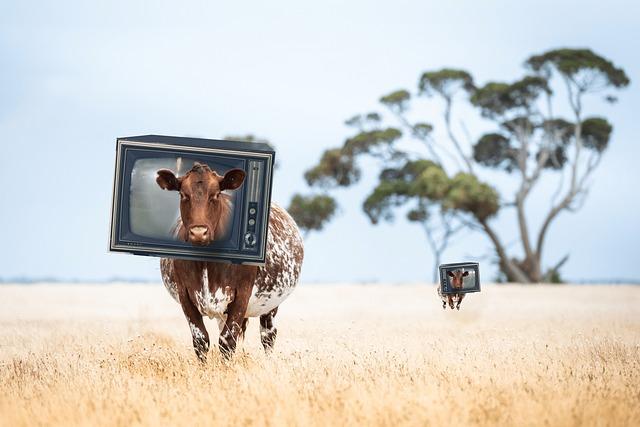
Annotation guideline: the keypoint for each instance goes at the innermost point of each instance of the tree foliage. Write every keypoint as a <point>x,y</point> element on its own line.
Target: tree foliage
<point>335,168</point>
<point>582,66</point>
<point>312,212</point>
<point>397,186</point>
<point>445,82</point>
<point>374,142</point>
<point>596,132</point>
<point>496,99</point>
<point>397,100</point>
<point>468,194</point>
<point>494,150</point>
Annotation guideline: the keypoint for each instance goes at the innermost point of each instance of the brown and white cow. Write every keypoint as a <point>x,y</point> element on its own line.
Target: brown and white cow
<point>230,293</point>
<point>457,282</point>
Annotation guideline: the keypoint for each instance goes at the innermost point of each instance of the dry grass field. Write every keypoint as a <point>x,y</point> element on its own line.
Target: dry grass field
<point>346,355</point>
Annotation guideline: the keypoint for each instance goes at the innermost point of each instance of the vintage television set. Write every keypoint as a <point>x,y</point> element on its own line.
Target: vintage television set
<point>459,278</point>
<point>151,175</point>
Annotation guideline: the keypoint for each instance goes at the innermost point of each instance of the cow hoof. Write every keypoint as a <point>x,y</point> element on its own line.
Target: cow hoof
<point>201,347</point>
<point>226,353</point>
<point>202,356</point>
<point>268,339</point>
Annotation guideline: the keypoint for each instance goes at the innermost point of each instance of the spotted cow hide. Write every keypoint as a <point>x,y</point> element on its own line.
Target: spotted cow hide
<point>223,290</point>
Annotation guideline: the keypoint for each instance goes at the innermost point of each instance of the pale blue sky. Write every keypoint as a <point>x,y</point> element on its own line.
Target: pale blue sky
<point>75,75</point>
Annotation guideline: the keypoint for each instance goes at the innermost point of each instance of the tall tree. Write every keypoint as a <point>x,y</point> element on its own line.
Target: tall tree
<point>442,185</point>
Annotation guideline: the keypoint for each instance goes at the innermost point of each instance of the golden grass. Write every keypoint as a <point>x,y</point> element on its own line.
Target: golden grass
<point>345,355</point>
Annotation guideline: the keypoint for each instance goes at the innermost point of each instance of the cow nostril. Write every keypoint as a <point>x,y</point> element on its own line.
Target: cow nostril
<point>199,231</point>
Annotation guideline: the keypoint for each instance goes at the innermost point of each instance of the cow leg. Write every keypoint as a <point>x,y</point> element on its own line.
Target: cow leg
<point>221,321</point>
<point>460,298</point>
<point>199,333</point>
<point>450,296</point>
<point>235,323</point>
<point>244,327</point>
<point>268,331</point>
<point>229,337</point>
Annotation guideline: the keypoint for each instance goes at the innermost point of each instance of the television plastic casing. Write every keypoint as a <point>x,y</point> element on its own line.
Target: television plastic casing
<point>247,239</point>
<point>467,266</point>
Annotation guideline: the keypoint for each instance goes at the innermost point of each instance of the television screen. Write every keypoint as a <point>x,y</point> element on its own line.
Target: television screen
<point>459,278</point>
<point>224,188</point>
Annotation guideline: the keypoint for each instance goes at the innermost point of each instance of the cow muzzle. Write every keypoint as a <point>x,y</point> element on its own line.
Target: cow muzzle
<point>199,235</point>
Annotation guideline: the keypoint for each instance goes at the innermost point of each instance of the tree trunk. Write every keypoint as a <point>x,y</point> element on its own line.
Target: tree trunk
<point>509,267</point>
<point>531,268</point>
<point>436,268</point>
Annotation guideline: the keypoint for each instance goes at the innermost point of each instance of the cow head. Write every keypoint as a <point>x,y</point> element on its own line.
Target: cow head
<point>204,209</point>
<point>457,278</point>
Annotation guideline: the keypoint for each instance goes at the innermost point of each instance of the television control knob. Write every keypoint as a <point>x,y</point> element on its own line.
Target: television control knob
<point>252,221</point>
<point>250,239</point>
<point>252,211</point>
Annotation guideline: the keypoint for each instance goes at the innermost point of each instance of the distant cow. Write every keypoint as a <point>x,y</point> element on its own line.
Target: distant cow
<point>230,293</point>
<point>456,278</point>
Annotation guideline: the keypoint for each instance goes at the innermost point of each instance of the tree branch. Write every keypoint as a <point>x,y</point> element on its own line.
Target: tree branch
<point>434,249</point>
<point>555,268</point>
<point>573,188</point>
<point>438,249</point>
<point>559,189</point>
<point>525,185</point>
<point>555,210</point>
<point>452,137</point>
<point>428,142</point>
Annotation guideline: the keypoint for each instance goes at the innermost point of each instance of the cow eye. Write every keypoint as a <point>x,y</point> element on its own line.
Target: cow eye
<point>213,197</point>
<point>184,197</point>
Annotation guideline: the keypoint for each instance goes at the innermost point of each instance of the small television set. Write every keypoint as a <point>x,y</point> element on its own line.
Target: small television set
<point>223,188</point>
<point>459,278</point>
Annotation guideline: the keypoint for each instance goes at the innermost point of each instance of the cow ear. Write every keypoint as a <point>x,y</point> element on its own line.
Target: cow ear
<point>465,274</point>
<point>449,273</point>
<point>167,180</point>
<point>232,179</point>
